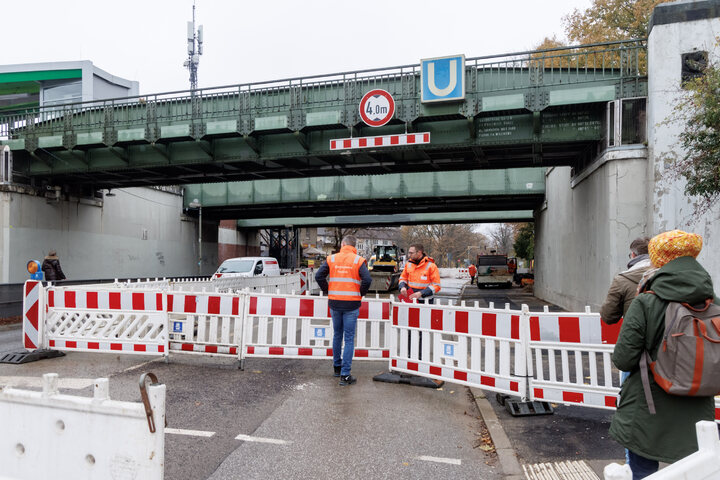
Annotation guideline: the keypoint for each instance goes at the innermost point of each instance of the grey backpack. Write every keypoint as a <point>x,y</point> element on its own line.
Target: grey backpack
<point>688,359</point>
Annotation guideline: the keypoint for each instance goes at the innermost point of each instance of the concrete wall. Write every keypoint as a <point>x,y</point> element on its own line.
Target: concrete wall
<point>236,243</point>
<point>583,232</point>
<point>139,232</point>
<point>671,208</point>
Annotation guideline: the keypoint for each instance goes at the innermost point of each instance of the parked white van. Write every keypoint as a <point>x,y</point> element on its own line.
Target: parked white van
<point>248,267</point>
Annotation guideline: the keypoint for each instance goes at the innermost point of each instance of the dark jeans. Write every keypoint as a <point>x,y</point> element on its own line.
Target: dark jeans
<point>641,466</point>
<point>344,324</point>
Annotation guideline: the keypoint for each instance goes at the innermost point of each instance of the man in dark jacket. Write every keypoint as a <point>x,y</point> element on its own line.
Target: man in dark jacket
<point>668,435</point>
<point>51,267</point>
<point>623,288</point>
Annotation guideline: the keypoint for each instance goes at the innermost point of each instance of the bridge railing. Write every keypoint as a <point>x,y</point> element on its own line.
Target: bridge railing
<point>612,61</point>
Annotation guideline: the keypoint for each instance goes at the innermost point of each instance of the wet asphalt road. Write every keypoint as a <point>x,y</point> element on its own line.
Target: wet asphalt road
<point>320,430</point>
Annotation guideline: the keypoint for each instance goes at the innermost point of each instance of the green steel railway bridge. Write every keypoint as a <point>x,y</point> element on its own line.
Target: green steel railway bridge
<point>264,150</point>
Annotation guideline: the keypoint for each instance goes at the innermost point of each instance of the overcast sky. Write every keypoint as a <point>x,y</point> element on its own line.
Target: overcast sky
<point>266,40</point>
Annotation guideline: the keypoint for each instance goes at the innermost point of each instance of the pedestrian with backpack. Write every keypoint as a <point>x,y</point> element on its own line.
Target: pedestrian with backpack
<point>656,423</point>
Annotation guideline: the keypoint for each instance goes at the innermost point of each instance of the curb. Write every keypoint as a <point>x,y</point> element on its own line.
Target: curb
<point>505,452</point>
<point>10,326</point>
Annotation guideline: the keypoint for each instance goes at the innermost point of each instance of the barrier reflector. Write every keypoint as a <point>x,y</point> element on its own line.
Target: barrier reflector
<point>33,310</point>
<point>298,326</point>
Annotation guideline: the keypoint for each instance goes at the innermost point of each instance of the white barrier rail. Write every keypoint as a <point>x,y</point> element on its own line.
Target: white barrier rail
<point>50,435</point>
<point>701,465</point>
<point>480,347</point>
<point>283,284</point>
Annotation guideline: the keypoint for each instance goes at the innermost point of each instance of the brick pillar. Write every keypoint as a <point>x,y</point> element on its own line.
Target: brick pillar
<point>234,243</point>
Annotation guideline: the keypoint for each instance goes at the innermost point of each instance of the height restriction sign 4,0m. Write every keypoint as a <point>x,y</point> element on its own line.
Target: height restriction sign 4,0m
<point>377,107</point>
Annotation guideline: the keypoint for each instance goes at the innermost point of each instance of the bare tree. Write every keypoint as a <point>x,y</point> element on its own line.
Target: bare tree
<point>447,244</point>
<point>502,238</point>
<point>339,233</point>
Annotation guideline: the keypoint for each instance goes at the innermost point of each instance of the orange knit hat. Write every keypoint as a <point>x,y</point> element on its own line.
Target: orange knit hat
<point>670,245</point>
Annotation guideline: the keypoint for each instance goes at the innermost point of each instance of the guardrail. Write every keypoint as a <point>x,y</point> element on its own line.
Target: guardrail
<point>621,60</point>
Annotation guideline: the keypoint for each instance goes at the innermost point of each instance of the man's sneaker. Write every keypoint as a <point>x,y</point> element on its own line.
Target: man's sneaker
<point>347,380</point>
<point>337,371</point>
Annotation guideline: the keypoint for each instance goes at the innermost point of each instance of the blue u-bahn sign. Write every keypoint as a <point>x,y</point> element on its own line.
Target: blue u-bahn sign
<point>443,79</point>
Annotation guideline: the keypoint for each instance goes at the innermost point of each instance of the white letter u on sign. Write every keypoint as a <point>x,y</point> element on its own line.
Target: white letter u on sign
<point>442,92</point>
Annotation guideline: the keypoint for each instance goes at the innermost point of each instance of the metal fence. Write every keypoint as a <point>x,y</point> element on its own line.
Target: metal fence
<point>622,61</point>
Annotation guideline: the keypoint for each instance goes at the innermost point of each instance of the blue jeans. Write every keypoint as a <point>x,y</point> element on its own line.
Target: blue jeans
<point>344,323</point>
<point>642,467</point>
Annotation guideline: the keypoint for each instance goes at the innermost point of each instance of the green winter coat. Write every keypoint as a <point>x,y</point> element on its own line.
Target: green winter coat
<point>670,434</point>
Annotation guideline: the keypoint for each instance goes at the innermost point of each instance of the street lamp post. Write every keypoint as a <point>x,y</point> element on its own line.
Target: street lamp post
<point>196,204</point>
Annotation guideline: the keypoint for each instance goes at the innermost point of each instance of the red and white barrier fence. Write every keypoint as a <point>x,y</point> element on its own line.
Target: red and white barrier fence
<point>572,358</point>
<point>205,323</point>
<point>105,320</point>
<point>480,347</point>
<point>554,356</point>
<point>300,326</point>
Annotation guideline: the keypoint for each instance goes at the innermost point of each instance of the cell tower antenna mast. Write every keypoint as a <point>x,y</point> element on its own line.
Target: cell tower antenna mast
<point>194,49</point>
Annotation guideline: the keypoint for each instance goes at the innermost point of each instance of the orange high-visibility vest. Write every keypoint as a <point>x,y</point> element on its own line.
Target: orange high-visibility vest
<point>423,275</point>
<point>472,270</point>
<point>344,278</point>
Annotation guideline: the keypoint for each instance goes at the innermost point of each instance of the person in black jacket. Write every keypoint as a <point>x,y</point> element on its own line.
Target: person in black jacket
<point>51,267</point>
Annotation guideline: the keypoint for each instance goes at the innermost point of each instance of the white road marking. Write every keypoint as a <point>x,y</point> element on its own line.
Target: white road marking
<point>192,433</point>
<point>451,461</point>
<point>134,367</point>
<point>248,438</point>
<point>70,383</point>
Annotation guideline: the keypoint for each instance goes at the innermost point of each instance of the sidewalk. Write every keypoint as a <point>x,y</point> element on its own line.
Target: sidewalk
<point>571,434</point>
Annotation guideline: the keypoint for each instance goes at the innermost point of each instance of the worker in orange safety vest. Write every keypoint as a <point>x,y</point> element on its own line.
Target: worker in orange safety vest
<point>420,274</point>
<point>345,278</point>
<point>472,271</point>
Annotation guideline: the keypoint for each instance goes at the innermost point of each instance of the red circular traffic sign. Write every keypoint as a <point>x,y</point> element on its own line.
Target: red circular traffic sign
<point>377,107</point>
